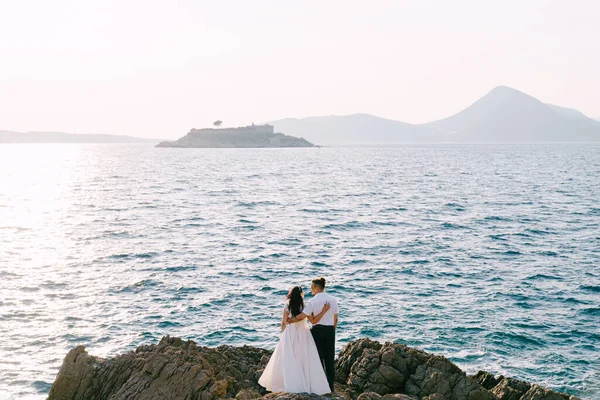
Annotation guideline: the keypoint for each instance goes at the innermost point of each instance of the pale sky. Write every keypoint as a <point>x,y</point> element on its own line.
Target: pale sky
<point>158,68</point>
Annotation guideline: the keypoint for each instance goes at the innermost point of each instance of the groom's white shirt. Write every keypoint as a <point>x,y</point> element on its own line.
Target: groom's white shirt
<point>316,304</point>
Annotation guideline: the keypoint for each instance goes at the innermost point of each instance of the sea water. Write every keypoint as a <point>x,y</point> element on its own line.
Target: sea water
<point>487,254</point>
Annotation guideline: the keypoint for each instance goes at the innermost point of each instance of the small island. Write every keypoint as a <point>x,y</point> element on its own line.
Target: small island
<point>253,136</point>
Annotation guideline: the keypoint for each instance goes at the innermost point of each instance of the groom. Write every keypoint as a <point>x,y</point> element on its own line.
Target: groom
<point>323,332</point>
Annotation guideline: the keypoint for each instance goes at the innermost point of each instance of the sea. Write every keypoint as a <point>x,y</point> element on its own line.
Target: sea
<point>488,254</point>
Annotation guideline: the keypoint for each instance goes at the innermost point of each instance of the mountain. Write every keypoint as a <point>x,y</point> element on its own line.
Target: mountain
<point>570,113</point>
<point>352,129</point>
<point>253,136</point>
<point>502,115</point>
<point>61,137</point>
<point>508,115</point>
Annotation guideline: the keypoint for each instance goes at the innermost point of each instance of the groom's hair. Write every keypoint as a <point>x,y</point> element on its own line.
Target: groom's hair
<point>320,282</point>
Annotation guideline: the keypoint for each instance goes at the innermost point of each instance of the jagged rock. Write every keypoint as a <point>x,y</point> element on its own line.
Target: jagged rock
<point>375,396</point>
<point>365,370</point>
<point>536,392</point>
<point>173,369</point>
<point>435,396</point>
<point>369,366</point>
<point>510,389</point>
<point>369,396</point>
<point>248,394</point>
<point>74,372</point>
<point>302,396</point>
<point>350,354</point>
<point>486,379</point>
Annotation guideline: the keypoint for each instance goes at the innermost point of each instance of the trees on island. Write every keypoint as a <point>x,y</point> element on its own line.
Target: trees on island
<point>217,123</point>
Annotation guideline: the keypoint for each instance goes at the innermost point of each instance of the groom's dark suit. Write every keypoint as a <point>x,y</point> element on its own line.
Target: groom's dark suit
<point>324,332</point>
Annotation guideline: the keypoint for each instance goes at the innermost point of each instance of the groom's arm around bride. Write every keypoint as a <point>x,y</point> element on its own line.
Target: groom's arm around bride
<point>323,331</point>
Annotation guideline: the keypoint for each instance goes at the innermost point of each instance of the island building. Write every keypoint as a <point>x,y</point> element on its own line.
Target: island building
<point>265,129</point>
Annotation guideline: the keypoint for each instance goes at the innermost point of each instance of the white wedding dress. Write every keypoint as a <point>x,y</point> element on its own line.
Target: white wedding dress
<point>295,366</point>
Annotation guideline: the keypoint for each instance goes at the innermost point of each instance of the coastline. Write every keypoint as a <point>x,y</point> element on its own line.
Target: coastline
<point>365,370</point>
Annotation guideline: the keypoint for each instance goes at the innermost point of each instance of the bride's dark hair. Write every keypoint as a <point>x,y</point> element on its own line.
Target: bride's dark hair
<point>295,301</point>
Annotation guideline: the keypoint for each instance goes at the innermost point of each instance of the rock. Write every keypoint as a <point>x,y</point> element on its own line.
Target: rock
<point>217,390</point>
<point>485,379</point>
<point>74,372</point>
<point>369,396</point>
<point>302,396</point>
<point>175,369</point>
<point>510,389</point>
<point>392,368</point>
<point>248,394</point>
<point>536,392</point>
<point>435,396</point>
<point>350,354</point>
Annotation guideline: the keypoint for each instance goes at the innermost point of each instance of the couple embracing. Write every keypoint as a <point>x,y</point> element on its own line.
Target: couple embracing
<point>303,361</point>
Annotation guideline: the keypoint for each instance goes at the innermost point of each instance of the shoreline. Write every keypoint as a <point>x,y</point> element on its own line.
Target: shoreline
<point>365,370</point>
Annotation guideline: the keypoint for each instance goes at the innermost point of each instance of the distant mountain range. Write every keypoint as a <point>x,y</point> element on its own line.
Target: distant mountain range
<point>503,115</point>
<point>61,137</point>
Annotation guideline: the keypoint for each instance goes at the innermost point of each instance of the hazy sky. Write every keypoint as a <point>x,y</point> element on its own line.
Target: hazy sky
<point>157,68</point>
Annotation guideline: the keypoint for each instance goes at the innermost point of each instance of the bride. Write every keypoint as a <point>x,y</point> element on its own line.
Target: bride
<point>295,366</point>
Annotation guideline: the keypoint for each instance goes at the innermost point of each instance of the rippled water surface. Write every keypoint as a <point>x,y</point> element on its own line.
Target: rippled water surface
<point>488,254</point>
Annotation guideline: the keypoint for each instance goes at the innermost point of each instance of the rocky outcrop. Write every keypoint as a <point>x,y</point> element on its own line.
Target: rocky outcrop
<point>173,369</point>
<point>485,379</point>
<point>514,389</point>
<point>510,389</point>
<point>388,368</point>
<point>365,370</point>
